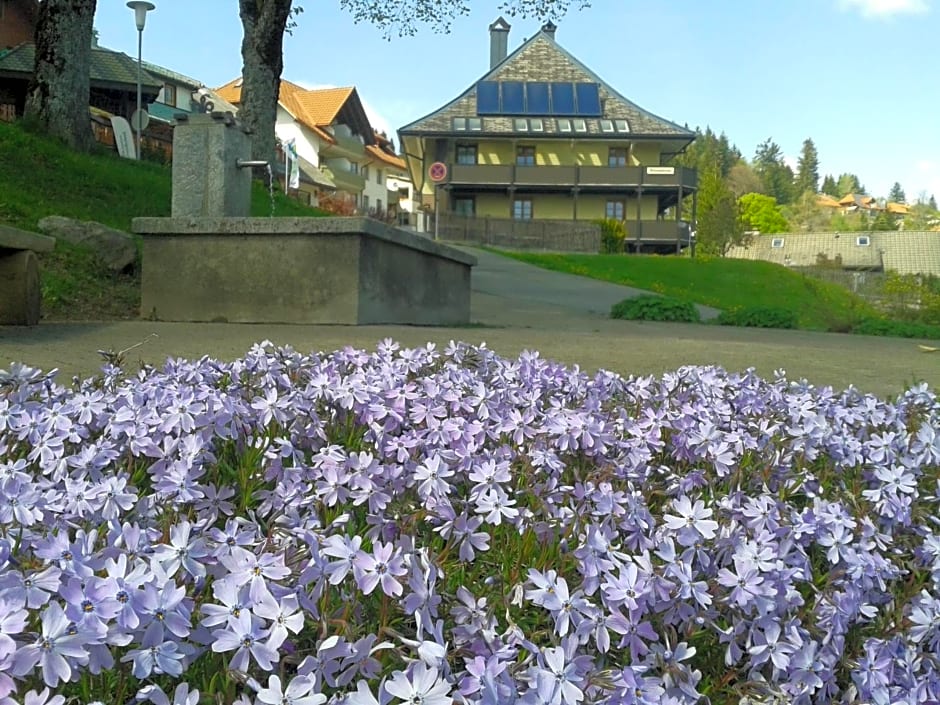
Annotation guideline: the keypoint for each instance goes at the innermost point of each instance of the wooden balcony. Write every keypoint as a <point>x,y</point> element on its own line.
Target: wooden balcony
<point>585,177</point>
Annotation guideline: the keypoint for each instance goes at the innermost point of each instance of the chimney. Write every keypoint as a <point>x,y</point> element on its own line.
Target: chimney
<point>499,41</point>
<point>549,29</point>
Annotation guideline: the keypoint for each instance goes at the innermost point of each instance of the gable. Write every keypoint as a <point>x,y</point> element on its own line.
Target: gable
<point>542,60</point>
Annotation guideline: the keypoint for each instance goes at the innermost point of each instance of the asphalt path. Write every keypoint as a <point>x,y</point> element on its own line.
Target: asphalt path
<point>514,307</point>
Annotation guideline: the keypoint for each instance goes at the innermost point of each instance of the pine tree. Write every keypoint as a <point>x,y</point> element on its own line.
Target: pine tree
<point>932,203</point>
<point>775,174</point>
<point>897,194</point>
<point>849,183</point>
<point>807,179</point>
<point>719,226</point>
<point>830,188</point>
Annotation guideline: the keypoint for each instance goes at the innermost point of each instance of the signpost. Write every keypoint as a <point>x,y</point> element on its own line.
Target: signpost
<point>437,172</point>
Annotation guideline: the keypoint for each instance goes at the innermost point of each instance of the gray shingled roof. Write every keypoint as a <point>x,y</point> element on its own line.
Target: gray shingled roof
<point>542,59</point>
<point>107,67</point>
<point>906,252</point>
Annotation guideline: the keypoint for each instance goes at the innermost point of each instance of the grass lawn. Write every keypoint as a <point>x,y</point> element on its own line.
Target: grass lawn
<point>722,283</point>
<point>40,177</point>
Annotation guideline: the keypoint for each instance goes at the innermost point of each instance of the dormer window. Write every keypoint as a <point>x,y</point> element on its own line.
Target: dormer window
<point>564,125</point>
<point>863,241</point>
<point>579,125</point>
<point>607,125</point>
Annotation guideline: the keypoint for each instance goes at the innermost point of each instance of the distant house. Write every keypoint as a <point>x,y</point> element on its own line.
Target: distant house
<point>540,137</point>
<point>906,252</point>
<point>178,94</point>
<point>338,149</point>
<point>113,78</point>
<point>17,22</point>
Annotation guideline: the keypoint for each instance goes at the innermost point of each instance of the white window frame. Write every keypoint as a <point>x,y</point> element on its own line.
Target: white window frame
<point>564,124</point>
<point>777,243</point>
<point>863,241</point>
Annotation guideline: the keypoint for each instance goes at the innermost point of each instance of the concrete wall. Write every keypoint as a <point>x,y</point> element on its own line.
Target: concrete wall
<point>299,270</point>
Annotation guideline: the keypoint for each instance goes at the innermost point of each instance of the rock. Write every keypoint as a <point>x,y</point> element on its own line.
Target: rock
<point>116,249</point>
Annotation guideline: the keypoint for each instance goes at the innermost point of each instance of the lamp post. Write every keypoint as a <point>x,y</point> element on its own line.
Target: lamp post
<point>140,8</point>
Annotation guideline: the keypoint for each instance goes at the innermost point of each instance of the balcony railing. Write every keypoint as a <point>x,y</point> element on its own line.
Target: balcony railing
<point>558,235</point>
<point>572,176</point>
<point>344,180</point>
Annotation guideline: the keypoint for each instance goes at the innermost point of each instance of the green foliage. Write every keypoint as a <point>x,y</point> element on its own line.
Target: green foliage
<point>830,187</point>
<point>719,226</point>
<point>761,213</point>
<point>897,329</point>
<point>884,221</point>
<point>912,298</point>
<point>896,195</point>
<point>807,170</point>
<point>776,176</point>
<point>932,203</point>
<point>848,183</point>
<point>718,282</point>
<point>710,151</point>
<point>743,179</point>
<point>806,214</point>
<point>655,308</point>
<point>759,317</point>
<point>613,235</point>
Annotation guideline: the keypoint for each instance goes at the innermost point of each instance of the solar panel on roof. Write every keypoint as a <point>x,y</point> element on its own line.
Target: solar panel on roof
<point>513,98</point>
<point>488,98</point>
<point>589,101</point>
<point>563,99</point>
<point>536,98</point>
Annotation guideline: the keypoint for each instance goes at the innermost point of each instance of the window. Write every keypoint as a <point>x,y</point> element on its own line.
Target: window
<point>607,125</point>
<point>520,125</point>
<point>466,154</point>
<point>378,176</point>
<point>365,172</point>
<point>617,156</point>
<point>365,202</point>
<point>777,242</point>
<point>378,206</point>
<point>614,210</point>
<point>465,124</point>
<point>536,125</point>
<point>169,90</point>
<point>465,205</point>
<point>564,125</point>
<point>522,209</point>
<point>621,125</point>
<point>525,156</point>
<point>579,125</point>
<point>863,241</point>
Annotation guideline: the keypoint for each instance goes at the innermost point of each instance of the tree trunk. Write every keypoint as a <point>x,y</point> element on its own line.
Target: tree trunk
<point>264,23</point>
<point>59,92</point>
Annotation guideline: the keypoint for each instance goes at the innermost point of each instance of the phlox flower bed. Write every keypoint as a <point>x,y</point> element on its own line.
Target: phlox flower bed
<point>432,526</point>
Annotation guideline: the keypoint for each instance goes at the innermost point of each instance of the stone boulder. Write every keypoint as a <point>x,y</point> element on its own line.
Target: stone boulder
<point>116,249</point>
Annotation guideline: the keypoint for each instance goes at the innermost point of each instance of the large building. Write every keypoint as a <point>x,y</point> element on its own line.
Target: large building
<point>541,137</point>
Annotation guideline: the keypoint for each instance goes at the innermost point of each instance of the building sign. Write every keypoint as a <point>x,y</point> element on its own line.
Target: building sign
<point>661,170</point>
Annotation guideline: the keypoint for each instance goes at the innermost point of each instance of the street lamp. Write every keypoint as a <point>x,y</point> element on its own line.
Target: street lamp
<point>140,9</point>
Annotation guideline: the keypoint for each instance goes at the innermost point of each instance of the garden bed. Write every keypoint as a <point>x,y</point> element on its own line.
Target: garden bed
<point>431,526</point>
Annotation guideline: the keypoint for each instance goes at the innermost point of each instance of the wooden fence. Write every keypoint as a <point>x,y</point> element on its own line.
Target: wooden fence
<point>548,235</point>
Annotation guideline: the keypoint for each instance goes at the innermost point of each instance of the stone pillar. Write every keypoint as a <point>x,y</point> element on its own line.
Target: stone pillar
<point>207,181</point>
<point>19,292</point>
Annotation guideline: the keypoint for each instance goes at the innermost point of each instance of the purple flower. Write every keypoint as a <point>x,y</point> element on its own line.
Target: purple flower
<point>691,521</point>
<point>155,656</point>
<point>246,638</point>
<point>421,687</point>
<point>296,693</point>
<point>59,642</point>
<point>182,551</point>
<point>384,566</point>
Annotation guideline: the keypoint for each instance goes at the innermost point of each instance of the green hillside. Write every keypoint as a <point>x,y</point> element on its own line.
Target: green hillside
<point>39,177</point>
<point>718,282</point>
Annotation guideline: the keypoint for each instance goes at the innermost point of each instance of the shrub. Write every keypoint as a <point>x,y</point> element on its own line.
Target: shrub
<point>759,317</point>
<point>896,329</point>
<point>655,308</point>
<point>613,235</point>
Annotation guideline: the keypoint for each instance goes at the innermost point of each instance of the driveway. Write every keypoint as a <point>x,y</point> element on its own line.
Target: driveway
<point>515,307</point>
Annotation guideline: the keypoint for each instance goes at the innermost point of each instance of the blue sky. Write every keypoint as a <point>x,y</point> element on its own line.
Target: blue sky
<point>858,76</point>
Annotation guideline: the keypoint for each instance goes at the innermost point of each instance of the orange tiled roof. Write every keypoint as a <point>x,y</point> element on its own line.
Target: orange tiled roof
<point>827,201</point>
<point>315,108</point>
<point>897,208</point>
<point>384,156</point>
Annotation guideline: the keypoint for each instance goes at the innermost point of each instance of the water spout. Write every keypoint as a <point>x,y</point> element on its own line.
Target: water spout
<point>250,163</point>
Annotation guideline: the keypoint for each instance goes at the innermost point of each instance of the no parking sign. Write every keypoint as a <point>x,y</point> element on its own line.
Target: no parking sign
<point>437,172</point>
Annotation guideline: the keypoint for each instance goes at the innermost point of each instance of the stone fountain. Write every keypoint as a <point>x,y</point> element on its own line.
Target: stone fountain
<point>209,261</point>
